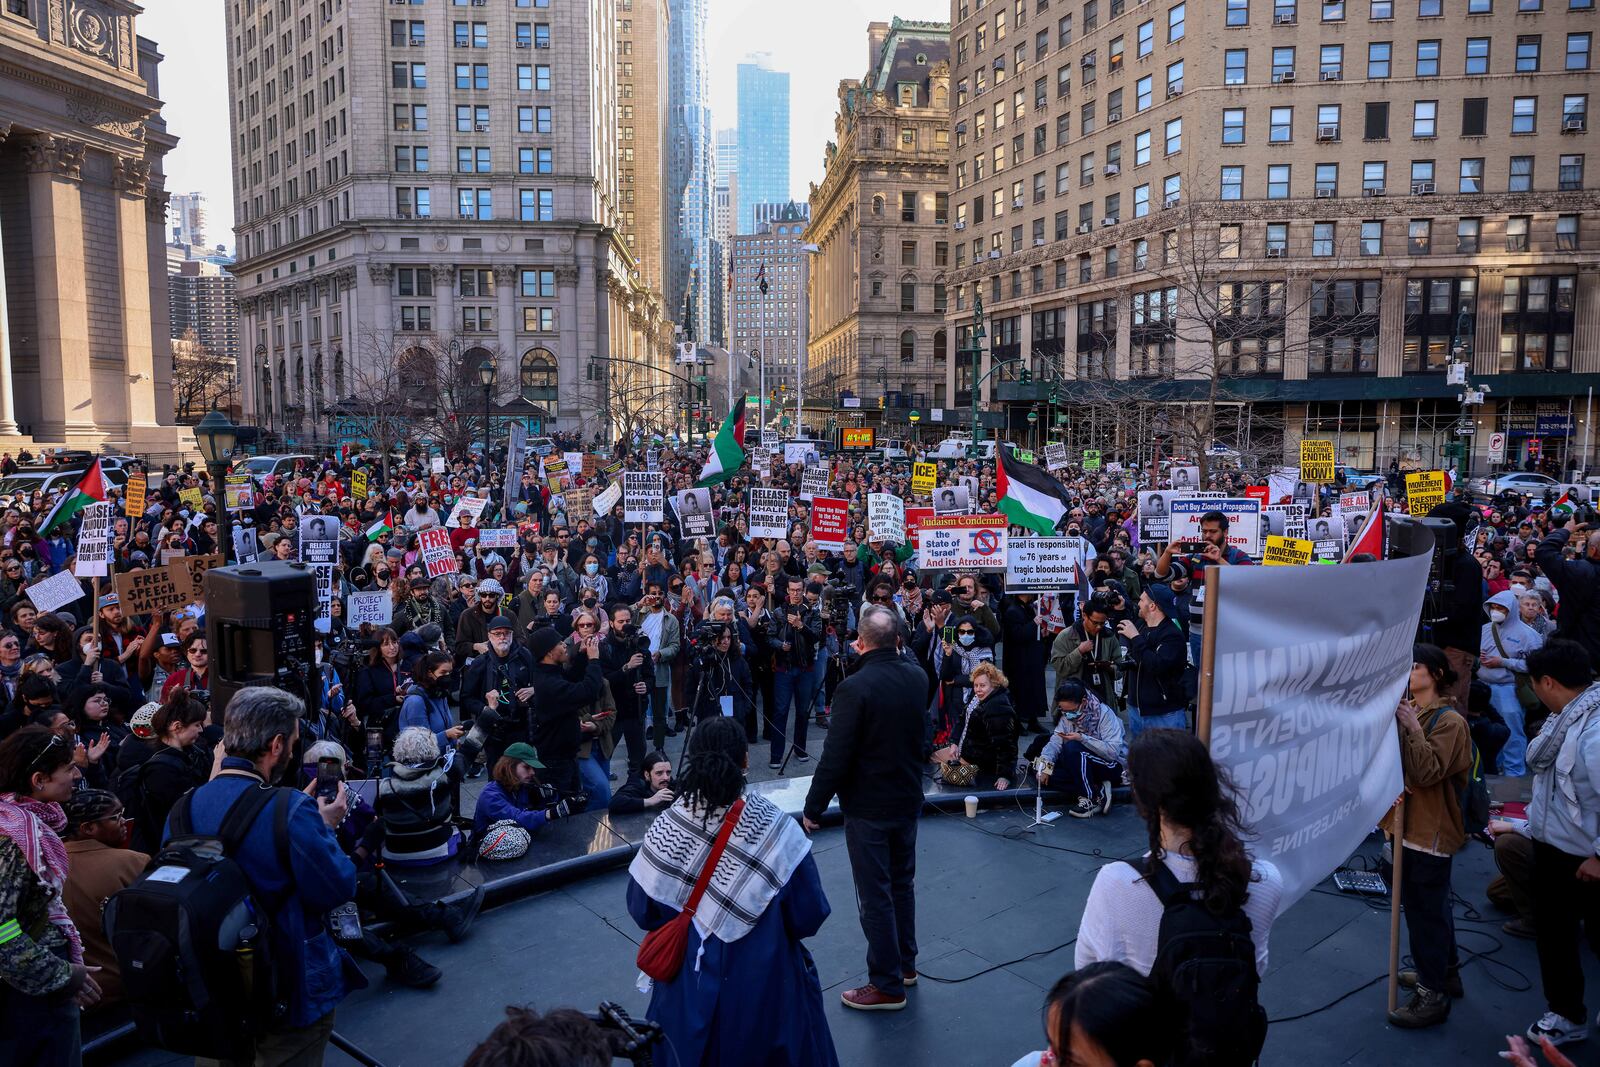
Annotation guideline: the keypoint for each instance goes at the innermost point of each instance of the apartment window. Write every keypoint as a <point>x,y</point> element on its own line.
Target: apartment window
<point>908,253</point>
<point>537,283</point>
<point>1173,137</point>
<point>1233,183</point>
<point>1480,7</point>
<point>1578,51</point>
<point>416,202</point>
<point>1171,190</point>
<point>1277,243</point>
<point>1175,17</point>
<point>1141,148</point>
<point>469,118</point>
<point>1175,77</point>
<point>1233,125</point>
<point>1379,59</point>
<point>941,208</point>
<point>1517,234</point>
<point>411,158</point>
<point>1520,178</point>
<point>1327,179</point>
<point>1477,55</point>
<point>1280,125</point>
<point>1234,61</point>
<point>1141,199</point>
<point>1527,54</point>
<point>1278,181</point>
<point>472,75</point>
<point>1373,176</point>
<point>475,203</point>
<point>1381,10</point>
<point>1282,63</point>
<point>1330,62</point>
<point>1425,118</point>
<point>416,318</point>
<point>908,205</point>
<point>1332,10</point>
<point>1566,233</point>
<point>1238,12</point>
<point>1377,124</point>
<point>543,122</point>
<point>1419,237</point>
<point>472,161</point>
<point>1322,238</point>
<point>1468,233</point>
<point>1524,114</point>
<point>1430,9</point>
<point>908,296</point>
<point>536,205</point>
<point>1475,116</point>
<point>1372,237</point>
<point>1146,38</point>
<point>413,281</point>
<point>1228,236</point>
<point>541,78</point>
<point>1471,176</point>
<point>1574,111</point>
<point>1570,173</point>
<point>1142,93</point>
<point>1427,59</point>
<point>411,116</point>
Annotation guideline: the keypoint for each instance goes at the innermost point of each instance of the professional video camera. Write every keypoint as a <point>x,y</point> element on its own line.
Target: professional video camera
<point>837,595</point>
<point>471,743</point>
<point>631,1039</point>
<point>703,641</point>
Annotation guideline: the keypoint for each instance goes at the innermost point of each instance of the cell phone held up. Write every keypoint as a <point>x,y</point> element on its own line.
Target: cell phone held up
<point>330,772</point>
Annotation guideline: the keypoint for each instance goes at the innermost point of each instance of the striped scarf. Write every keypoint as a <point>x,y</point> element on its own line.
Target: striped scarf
<point>32,825</point>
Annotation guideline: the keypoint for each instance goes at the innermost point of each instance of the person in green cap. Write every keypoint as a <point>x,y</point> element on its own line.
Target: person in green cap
<point>516,793</point>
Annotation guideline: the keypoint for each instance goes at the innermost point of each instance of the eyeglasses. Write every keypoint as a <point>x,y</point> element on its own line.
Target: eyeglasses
<point>583,626</point>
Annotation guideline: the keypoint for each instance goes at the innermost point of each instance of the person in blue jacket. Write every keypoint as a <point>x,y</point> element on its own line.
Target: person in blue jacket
<point>1158,654</point>
<point>259,730</point>
<point>515,793</point>
<point>428,703</point>
<point>747,991</point>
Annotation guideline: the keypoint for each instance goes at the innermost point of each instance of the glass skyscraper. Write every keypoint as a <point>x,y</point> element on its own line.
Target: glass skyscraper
<point>689,171</point>
<point>763,139</point>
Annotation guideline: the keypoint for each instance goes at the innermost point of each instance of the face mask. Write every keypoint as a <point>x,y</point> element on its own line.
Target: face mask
<point>1497,615</point>
<point>967,640</point>
<point>591,568</point>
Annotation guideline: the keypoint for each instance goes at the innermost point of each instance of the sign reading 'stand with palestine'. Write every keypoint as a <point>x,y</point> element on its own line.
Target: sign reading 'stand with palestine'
<point>1317,462</point>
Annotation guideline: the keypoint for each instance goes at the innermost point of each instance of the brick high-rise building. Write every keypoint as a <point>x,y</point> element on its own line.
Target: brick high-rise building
<point>1287,212</point>
<point>203,297</point>
<point>770,323</point>
<point>426,187</point>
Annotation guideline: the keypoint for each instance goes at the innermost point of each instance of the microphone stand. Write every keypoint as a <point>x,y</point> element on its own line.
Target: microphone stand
<point>1040,817</point>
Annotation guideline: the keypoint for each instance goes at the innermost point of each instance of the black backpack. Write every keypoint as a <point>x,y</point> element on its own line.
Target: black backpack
<point>129,785</point>
<point>193,940</point>
<point>1206,966</point>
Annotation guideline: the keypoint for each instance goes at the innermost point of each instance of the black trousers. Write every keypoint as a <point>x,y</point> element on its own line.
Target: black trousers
<point>1430,925</point>
<point>1560,904</point>
<point>883,862</point>
<point>39,1029</point>
<point>632,730</point>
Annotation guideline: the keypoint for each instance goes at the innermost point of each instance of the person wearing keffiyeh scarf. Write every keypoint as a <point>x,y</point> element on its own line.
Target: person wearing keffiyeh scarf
<point>1087,753</point>
<point>43,981</point>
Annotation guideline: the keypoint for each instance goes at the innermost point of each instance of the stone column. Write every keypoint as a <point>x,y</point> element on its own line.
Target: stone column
<point>60,297</point>
<point>382,277</point>
<point>1391,323</point>
<point>445,321</point>
<point>1297,326</point>
<point>1586,328</point>
<point>569,371</point>
<point>130,177</point>
<point>508,376</point>
<point>1486,328</point>
<point>8,413</point>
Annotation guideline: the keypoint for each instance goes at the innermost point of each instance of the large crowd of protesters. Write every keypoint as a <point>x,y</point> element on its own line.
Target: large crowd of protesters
<point>557,668</point>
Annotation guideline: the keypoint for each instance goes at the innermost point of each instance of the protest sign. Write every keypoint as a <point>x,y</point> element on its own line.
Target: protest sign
<point>244,544</point>
<point>1317,462</point>
<point>1055,457</point>
<point>1244,520</point>
<point>55,592</point>
<point>964,541</point>
<point>602,504</point>
<point>830,523</point>
<point>574,461</point>
<point>915,517</point>
<point>502,537</point>
<point>1184,479</point>
<point>652,459</point>
<point>358,485</point>
<point>579,502</point>
<point>769,512</point>
<point>154,589</point>
<point>375,607</point>
<point>1283,485</point>
<point>761,464</point>
<point>437,555</point>
<point>1042,564</point>
<point>642,496</point>
<point>239,492</point>
<point>1358,501</point>
<point>1285,520</point>
<point>93,558</point>
<point>695,513</point>
<point>952,500</point>
<point>923,477</point>
<point>1091,459</point>
<point>198,566</point>
<point>1301,704</point>
<point>466,513</point>
<point>799,452</point>
<point>516,456</point>
<point>191,498</point>
<point>610,469</point>
<point>1327,536</point>
<point>1424,491</point>
<point>813,483</point>
<point>319,550</point>
<point>133,501</point>
<point>1286,552</point>
<point>1259,492</point>
<point>1154,519</point>
<point>436,465</point>
<point>886,518</point>
<point>591,465</point>
<point>554,466</point>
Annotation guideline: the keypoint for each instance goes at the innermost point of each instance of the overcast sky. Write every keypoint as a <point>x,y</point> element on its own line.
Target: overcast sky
<point>818,46</point>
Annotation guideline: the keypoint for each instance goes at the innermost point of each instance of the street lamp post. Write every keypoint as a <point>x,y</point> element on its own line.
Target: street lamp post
<point>215,435</point>
<point>255,371</point>
<point>486,379</point>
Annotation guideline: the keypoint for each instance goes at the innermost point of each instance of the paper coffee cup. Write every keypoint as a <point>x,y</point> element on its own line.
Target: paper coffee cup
<point>972,806</point>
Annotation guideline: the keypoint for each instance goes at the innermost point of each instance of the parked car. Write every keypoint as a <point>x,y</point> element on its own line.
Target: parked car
<point>896,448</point>
<point>259,467</point>
<point>26,480</point>
<point>1351,478</point>
<point>1529,483</point>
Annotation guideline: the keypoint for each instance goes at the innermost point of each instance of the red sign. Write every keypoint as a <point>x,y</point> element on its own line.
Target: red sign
<point>438,555</point>
<point>830,523</point>
<point>1258,492</point>
<point>856,438</point>
<point>914,520</point>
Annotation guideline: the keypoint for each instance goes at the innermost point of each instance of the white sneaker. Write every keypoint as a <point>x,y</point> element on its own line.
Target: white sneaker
<point>1560,1030</point>
<point>1104,798</point>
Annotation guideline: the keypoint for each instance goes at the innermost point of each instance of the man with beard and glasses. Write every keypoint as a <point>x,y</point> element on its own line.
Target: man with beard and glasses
<point>500,682</point>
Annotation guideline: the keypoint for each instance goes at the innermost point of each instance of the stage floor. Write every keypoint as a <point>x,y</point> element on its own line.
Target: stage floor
<point>1000,913</point>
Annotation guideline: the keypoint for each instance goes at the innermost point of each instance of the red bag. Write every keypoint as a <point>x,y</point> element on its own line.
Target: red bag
<point>661,952</point>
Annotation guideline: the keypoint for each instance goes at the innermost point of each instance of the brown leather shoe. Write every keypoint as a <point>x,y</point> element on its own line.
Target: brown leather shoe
<point>870,998</point>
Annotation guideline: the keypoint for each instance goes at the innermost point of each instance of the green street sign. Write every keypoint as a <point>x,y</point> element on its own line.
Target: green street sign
<point>1091,459</point>
<point>1024,455</point>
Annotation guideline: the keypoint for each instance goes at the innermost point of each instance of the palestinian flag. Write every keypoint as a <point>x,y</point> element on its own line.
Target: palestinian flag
<point>382,526</point>
<point>727,450</point>
<point>1029,496</point>
<point>91,489</point>
<point>1370,539</point>
<point>1563,508</point>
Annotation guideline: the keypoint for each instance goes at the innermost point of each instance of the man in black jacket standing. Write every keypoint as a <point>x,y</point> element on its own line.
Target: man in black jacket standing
<point>873,761</point>
<point>501,681</point>
<point>563,686</point>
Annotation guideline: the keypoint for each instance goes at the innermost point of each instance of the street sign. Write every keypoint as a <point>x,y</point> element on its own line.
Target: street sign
<point>1497,448</point>
<point>1465,429</point>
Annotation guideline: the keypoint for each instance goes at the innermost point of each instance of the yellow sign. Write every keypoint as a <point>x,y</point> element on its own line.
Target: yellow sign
<point>133,503</point>
<point>358,485</point>
<point>192,497</point>
<point>1316,462</point>
<point>1424,491</point>
<point>857,438</point>
<point>923,477</point>
<point>1286,552</point>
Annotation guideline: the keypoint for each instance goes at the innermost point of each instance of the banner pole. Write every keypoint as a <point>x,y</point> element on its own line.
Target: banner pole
<point>1394,901</point>
<point>94,609</point>
<point>1208,657</point>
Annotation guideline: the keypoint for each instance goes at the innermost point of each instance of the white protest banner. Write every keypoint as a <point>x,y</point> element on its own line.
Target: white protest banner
<point>1042,564</point>
<point>1154,520</point>
<point>467,511</point>
<point>574,461</point>
<point>438,557</point>
<point>374,607</point>
<point>502,537</point>
<point>93,559</point>
<point>695,513</point>
<point>516,458</point>
<point>1185,479</point>
<point>1284,520</point>
<point>952,500</point>
<point>761,463</point>
<point>814,482</point>
<point>962,541</point>
<point>643,493</point>
<point>1326,533</point>
<point>886,518</point>
<point>607,500</point>
<point>799,452</point>
<point>244,544</point>
<point>319,550</point>
<point>1244,520</point>
<point>1302,704</point>
<point>769,512</point>
<point>1283,484</point>
<point>1055,457</point>
<point>55,592</point>
<point>436,465</point>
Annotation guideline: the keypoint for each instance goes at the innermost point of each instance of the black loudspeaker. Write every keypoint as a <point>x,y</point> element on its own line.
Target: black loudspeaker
<point>1406,536</point>
<point>259,629</point>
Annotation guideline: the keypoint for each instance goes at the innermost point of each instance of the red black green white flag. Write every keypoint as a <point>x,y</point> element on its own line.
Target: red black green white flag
<point>727,449</point>
<point>91,489</point>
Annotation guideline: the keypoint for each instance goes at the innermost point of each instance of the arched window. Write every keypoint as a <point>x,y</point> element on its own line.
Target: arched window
<point>416,371</point>
<point>471,360</point>
<point>939,340</point>
<point>300,381</point>
<point>338,374</point>
<point>318,382</point>
<point>539,376</point>
<point>908,346</point>
<point>266,394</point>
<point>877,205</point>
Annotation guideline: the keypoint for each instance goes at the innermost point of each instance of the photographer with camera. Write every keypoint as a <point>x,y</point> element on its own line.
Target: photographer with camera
<point>793,633</point>
<point>754,619</point>
<point>495,693</point>
<point>380,685</point>
<point>1089,651</point>
<point>566,681</point>
<point>719,680</point>
<point>628,671</point>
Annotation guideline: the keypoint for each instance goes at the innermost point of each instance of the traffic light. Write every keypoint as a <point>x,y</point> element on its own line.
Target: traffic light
<point>1026,376</point>
<point>883,402</point>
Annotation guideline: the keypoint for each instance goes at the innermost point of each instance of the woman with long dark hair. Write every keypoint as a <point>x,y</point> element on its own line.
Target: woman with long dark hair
<point>1106,1014</point>
<point>747,991</point>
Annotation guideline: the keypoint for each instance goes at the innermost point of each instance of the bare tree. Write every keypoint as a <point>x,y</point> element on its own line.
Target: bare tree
<point>201,378</point>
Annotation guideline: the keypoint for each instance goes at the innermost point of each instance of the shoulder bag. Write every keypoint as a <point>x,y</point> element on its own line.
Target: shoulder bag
<point>1525,695</point>
<point>662,950</point>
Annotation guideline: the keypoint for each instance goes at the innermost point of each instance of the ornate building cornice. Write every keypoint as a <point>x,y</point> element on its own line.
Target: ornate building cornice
<point>62,156</point>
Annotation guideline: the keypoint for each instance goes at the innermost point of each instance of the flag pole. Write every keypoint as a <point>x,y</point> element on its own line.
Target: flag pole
<point>1394,901</point>
<point>1208,657</point>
